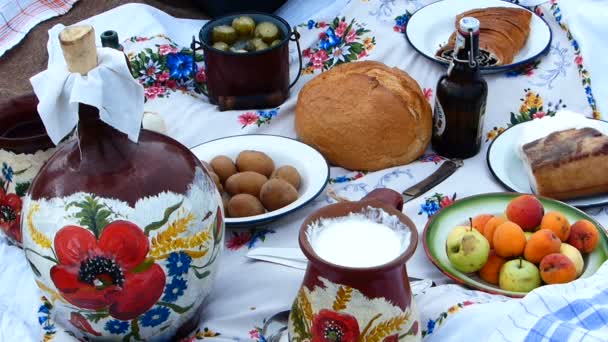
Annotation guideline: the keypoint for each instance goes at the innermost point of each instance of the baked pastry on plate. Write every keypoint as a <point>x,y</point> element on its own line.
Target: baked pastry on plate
<point>568,164</point>
<point>503,32</point>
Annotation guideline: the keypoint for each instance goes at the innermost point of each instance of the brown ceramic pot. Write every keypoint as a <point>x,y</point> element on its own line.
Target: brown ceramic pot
<point>24,148</point>
<point>123,237</point>
<point>372,303</point>
<point>248,80</point>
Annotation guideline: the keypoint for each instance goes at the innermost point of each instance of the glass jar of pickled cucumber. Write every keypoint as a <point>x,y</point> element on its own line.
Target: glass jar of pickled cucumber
<point>247,60</point>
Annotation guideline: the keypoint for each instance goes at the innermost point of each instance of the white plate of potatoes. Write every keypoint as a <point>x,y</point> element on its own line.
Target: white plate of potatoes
<point>263,177</point>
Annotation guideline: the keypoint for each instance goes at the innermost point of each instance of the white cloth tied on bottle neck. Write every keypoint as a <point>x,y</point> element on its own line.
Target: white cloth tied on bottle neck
<point>109,87</point>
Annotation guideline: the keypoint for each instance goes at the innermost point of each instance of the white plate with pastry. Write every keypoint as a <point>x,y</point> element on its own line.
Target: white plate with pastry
<point>564,157</point>
<point>510,36</point>
<point>311,166</point>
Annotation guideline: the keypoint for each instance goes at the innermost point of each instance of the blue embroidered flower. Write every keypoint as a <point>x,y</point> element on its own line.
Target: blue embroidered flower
<point>330,41</point>
<point>178,263</point>
<point>155,316</point>
<point>575,45</point>
<point>174,289</point>
<point>43,309</point>
<point>268,114</point>
<point>429,207</point>
<point>117,327</point>
<point>311,24</point>
<point>430,326</point>
<point>341,179</point>
<point>181,65</point>
<point>7,172</point>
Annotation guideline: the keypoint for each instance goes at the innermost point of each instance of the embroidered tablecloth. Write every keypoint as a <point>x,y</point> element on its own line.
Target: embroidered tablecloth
<point>246,292</point>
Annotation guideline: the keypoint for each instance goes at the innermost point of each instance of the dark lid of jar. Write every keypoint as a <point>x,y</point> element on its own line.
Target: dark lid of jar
<point>110,39</point>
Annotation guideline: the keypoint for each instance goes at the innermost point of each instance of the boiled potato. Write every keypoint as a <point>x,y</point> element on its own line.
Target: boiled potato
<point>289,174</point>
<point>247,182</point>
<point>268,31</point>
<point>257,44</point>
<point>255,161</point>
<point>275,42</point>
<point>216,180</point>
<point>244,26</point>
<point>221,46</point>
<point>277,193</point>
<point>243,205</point>
<point>223,166</point>
<point>223,33</point>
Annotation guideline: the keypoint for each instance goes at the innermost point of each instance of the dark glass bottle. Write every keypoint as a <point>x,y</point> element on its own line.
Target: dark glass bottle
<point>110,39</point>
<point>460,103</point>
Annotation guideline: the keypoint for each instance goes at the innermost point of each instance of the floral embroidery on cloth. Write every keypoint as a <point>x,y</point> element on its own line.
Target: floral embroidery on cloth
<point>10,203</point>
<point>162,67</point>
<point>432,323</point>
<point>401,22</point>
<point>248,238</point>
<point>434,203</point>
<point>340,41</point>
<point>258,118</point>
<point>201,334</point>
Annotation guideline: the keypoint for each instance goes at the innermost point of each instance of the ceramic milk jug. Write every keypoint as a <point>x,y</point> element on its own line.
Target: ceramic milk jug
<point>123,236</point>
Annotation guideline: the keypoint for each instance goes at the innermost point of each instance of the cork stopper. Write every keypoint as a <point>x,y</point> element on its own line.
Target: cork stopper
<point>79,50</point>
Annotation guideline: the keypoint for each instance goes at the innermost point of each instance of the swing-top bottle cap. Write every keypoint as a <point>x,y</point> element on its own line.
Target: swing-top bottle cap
<point>469,24</point>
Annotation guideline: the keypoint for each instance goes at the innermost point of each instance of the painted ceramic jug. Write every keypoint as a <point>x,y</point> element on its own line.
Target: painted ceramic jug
<point>24,148</point>
<point>123,237</point>
<point>337,303</point>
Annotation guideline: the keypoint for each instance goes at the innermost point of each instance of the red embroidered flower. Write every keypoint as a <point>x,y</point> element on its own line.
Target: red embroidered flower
<point>81,323</point>
<point>201,76</point>
<point>163,76</point>
<point>362,54</point>
<point>342,26</point>
<point>578,60</point>
<point>446,201</point>
<point>10,215</point>
<point>238,240</point>
<point>392,338</point>
<point>322,36</point>
<point>538,115</point>
<point>322,24</point>
<point>319,58</point>
<point>96,274</point>
<point>166,49</point>
<point>307,53</point>
<point>328,326</point>
<point>171,84</point>
<point>153,91</point>
<point>428,93</point>
<point>467,303</point>
<point>248,118</point>
<point>351,36</point>
<point>254,334</point>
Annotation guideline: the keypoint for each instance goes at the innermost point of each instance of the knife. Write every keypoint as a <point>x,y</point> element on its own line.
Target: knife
<point>444,171</point>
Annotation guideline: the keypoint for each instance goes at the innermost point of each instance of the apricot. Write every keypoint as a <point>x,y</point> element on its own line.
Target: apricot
<point>509,240</point>
<point>541,243</point>
<point>479,221</point>
<point>557,268</point>
<point>526,211</point>
<point>491,269</point>
<point>584,236</point>
<point>558,223</point>
<point>490,227</point>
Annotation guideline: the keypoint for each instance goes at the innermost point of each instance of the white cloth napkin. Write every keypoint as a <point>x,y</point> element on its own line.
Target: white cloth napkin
<point>108,87</point>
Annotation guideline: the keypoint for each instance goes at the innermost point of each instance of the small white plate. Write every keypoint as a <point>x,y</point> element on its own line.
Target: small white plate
<point>311,165</point>
<point>431,26</point>
<point>506,166</point>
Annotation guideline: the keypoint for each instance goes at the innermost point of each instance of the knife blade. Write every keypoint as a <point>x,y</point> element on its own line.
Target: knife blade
<point>444,171</point>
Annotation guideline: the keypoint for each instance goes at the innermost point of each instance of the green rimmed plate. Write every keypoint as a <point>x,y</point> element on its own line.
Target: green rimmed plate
<point>437,230</point>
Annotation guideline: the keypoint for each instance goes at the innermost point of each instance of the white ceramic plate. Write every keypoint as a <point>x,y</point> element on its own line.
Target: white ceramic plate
<point>505,164</point>
<point>431,26</point>
<point>311,165</point>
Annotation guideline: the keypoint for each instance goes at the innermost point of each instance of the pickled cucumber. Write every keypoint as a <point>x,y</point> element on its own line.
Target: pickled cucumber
<point>267,31</point>
<point>275,43</point>
<point>223,33</point>
<point>221,46</point>
<point>244,26</point>
<point>257,44</point>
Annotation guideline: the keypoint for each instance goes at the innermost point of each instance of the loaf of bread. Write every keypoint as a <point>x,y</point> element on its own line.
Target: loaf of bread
<point>568,164</point>
<point>364,116</point>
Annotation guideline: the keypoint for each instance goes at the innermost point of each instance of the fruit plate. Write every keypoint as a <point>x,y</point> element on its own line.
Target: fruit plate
<point>312,166</point>
<point>439,226</point>
<point>430,27</point>
<point>506,166</point>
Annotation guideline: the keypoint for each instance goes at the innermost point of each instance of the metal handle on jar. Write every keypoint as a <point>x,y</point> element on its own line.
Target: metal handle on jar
<point>194,47</point>
<point>295,36</point>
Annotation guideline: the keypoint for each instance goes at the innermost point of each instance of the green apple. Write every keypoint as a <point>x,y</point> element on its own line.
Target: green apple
<point>575,255</point>
<point>467,249</point>
<point>519,276</point>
